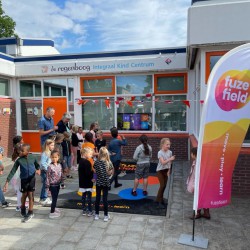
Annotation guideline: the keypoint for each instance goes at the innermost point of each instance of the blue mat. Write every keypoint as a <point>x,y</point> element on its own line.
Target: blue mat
<point>126,194</point>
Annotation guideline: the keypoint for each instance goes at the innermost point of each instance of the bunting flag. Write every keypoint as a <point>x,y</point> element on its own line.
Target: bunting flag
<point>132,98</point>
<point>117,104</point>
<point>130,103</point>
<point>107,102</point>
<point>224,124</point>
<point>186,102</point>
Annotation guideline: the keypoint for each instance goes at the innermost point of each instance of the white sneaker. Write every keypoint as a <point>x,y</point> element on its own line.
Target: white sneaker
<point>54,215</point>
<point>57,210</point>
<point>97,217</point>
<point>48,201</point>
<point>106,218</point>
<point>123,173</point>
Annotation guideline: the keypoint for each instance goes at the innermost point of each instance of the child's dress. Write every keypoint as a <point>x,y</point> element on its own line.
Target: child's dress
<point>191,178</point>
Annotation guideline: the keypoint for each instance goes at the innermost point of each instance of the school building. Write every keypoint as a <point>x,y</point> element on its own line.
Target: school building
<point>159,92</point>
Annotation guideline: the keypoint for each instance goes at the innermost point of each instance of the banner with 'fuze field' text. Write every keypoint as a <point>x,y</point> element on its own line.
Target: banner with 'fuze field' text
<point>224,124</point>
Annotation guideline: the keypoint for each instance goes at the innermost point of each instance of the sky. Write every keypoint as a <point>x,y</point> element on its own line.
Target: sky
<point>78,26</point>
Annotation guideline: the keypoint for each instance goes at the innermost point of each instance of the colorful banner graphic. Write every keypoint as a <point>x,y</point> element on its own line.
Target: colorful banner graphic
<point>224,124</point>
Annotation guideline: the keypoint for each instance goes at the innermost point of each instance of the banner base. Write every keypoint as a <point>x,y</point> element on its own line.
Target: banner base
<point>187,239</point>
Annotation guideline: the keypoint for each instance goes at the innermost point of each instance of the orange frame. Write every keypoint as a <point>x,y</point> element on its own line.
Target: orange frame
<point>97,78</point>
<point>156,76</point>
<point>208,56</point>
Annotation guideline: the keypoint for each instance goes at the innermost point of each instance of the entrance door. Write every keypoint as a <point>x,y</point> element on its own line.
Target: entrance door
<point>33,138</point>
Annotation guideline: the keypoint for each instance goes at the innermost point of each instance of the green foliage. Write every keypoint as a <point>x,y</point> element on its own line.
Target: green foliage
<point>7,25</point>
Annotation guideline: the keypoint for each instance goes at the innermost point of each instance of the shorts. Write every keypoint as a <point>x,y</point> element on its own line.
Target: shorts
<point>67,162</point>
<point>142,170</point>
<point>28,185</point>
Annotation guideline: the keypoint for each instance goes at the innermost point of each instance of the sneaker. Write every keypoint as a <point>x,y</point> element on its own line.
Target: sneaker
<point>28,217</point>
<point>54,215</point>
<point>118,185</point>
<point>48,201</point>
<point>84,212</point>
<point>90,214</point>
<point>57,210</point>
<point>134,193</point>
<point>23,212</point>
<point>18,209</point>
<point>97,217</point>
<point>106,218</point>
<point>63,186</point>
<point>5,204</point>
<point>123,173</point>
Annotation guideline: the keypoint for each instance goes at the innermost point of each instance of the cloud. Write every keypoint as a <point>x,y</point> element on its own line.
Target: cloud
<point>81,25</point>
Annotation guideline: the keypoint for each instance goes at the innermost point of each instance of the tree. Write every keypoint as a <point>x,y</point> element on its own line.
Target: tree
<point>7,25</point>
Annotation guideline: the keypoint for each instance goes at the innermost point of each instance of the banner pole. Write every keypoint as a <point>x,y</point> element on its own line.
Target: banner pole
<point>193,224</point>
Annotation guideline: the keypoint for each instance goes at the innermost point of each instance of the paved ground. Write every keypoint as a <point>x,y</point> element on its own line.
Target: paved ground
<point>229,227</point>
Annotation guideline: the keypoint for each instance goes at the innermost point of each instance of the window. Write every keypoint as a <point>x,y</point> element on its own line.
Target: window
<point>170,113</point>
<point>135,114</point>
<point>134,84</point>
<point>170,83</point>
<point>3,49</point>
<point>31,111</point>
<point>211,59</point>
<point>96,110</point>
<point>101,86</point>
<point>30,88</point>
<point>55,87</point>
<point>4,87</point>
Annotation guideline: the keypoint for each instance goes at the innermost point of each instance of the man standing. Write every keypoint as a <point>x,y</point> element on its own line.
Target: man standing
<point>63,125</point>
<point>46,125</point>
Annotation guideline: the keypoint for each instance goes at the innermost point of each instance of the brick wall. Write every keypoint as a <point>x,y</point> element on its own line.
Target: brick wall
<point>8,125</point>
<point>179,144</point>
<point>241,175</point>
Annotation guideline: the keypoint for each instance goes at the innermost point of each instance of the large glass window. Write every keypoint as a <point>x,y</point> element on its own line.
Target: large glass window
<point>134,84</point>
<point>4,87</point>
<point>97,85</point>
<point>134,113</point>
<point>170,83</point>
<point>98,110</point>
<point>170,113</point>
<point>30,88</point>
<point>31,112</point>
<point>55,87</point>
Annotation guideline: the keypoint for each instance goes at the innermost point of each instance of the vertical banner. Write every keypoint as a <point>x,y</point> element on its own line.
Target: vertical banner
<point>224,124</point>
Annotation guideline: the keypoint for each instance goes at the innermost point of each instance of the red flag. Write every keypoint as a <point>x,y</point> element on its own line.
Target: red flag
<point>186,102</point>
<point>130,103</point>
<point>168,101</point>
<point>107,102</point>
<point>201,101</point>
<point>132,98</point>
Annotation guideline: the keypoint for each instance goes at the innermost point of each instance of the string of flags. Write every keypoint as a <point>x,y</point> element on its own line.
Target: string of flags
<point>133,100</point>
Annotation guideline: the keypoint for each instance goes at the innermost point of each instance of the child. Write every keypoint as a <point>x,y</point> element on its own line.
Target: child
<point>93,129</point>
<point>85,173</point>
<point>66,146</point>
<point>89,143</point>
<point>48,146</point>
<point>114,149</point>
<point>76,142</point>
<point>53,181</point>
<point>80,142</point>
<point>2,198</point>
<point>28,166</point>
<point>163,169</point>
<point>190,186</point>
<point>102,183</point>
<point>15,182</point>
<point>142,155</point>
<point>58,147</point>
<point>99,142</point>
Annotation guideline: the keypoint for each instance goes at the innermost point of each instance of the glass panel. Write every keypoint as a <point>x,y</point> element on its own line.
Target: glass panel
<point>95,110</point>
<point>170,83</point>
<point>38,90</point>
<point>97,85</point>
<point>134,84</point>
<point>135,115</point>
<point>170,115</point>
<point>26,88</point>
<point>213,61</point>
<point>31,112</point>
<point>4,87</point>
<point>46,90</point>
<point>3,49</point>
<point>71,94</point>
<point>247,138</point>
<point>58,87</point>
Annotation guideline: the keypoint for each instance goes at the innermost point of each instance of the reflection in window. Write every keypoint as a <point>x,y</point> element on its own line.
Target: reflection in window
<point>55,87</point>
<point>134,114</point>
<point>31,111</point>
<point>30,88</point>
<point>134,84</point>
<point>170,83</point>
<point>98,85</point>
<point>95,110</point>
<point>170,115</point>
<point>4,87</point>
